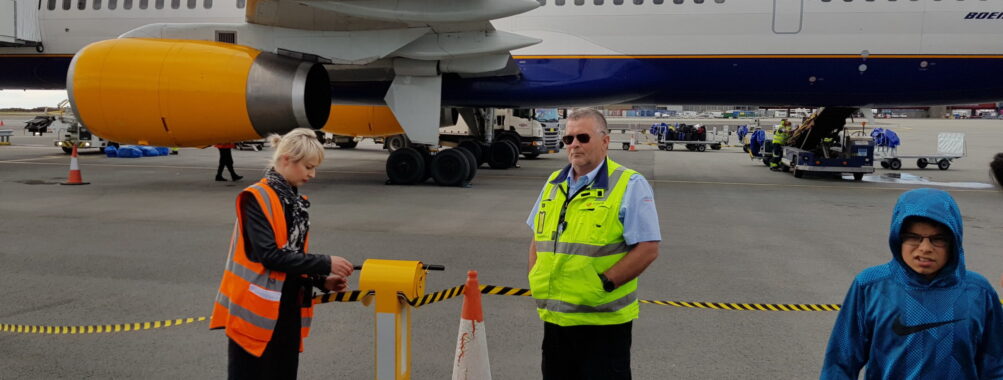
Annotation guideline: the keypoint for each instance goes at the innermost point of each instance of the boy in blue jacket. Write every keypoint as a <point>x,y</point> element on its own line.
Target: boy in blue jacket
<point>921,315</point>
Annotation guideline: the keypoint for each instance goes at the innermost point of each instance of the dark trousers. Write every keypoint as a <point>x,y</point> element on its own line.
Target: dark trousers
<point>778,153</point>
<point>586,352</point>
<point>225,160</point>
<point>282,355</point>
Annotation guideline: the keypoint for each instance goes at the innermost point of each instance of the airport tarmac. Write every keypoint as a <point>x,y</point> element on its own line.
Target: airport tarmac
<point>147,240</point>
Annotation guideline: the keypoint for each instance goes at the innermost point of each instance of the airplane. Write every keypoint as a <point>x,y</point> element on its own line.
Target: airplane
<point>196,72</point>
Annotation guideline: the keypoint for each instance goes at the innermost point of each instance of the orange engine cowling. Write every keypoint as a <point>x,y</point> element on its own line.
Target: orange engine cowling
<point>362,121</point>
<point>193,93</point>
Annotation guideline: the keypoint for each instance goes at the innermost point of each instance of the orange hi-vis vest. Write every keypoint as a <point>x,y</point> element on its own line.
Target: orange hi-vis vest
<point>247,304</point>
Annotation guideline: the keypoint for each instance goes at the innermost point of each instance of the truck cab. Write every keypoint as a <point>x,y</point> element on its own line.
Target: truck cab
<point>535,131</point>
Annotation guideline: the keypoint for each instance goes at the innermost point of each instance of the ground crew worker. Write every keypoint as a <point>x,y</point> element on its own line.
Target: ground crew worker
<point>595,230</point>
<point>226,161</point>
<point>779,139</point>
<point>265,298</point>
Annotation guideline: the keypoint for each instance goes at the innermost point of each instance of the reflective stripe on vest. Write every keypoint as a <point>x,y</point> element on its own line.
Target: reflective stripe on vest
<point>565,278</point>
<point>247,304</point>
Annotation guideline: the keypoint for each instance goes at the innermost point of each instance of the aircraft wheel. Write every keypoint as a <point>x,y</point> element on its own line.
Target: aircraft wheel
<point>515,152</point>
<point>499,155</point>
<point>701,148</point>
<point>450,168</point>
<point>395,142</point>
<point>895,164</point>
<point>471,161</point>
<point>943,164</point>
<point>405,166</point>
<point>922,162</point>
<point>475,148</point>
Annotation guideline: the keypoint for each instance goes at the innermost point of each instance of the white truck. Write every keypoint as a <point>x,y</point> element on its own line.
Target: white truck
<point>533,131</point>
<point>71,133</point>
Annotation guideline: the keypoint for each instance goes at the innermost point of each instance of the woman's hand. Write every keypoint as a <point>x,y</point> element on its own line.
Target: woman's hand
<point>340,266</point>
<point>335,283</point>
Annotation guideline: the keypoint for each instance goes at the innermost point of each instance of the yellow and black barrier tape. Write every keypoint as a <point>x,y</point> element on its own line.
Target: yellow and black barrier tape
<point>98,329</point>
<point>507,291</point>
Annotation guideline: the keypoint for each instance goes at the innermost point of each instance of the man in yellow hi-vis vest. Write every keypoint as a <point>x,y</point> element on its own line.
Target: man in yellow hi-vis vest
<point>595,230</point>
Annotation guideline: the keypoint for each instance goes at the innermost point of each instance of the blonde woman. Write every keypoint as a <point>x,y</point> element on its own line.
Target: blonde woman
<point>264,300</point>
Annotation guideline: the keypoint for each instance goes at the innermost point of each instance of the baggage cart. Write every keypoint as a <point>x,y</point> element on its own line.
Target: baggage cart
<point>950,146</point>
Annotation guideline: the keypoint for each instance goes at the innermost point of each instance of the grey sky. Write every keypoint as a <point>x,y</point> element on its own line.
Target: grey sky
<point>31,98</point>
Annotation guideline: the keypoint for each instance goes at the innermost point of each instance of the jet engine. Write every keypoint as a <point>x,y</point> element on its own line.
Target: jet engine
<point>193,93</point>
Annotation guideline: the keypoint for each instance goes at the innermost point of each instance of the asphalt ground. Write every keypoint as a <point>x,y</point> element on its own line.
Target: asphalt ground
<point>146,241</point>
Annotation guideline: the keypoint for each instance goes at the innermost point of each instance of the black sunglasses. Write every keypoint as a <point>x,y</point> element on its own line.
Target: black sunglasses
<point>583,138</point>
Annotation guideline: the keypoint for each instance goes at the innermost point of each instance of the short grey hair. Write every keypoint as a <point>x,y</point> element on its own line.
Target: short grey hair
<point>582,113</point>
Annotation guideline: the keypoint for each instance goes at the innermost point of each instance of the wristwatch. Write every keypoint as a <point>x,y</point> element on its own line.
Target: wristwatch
<point>607,284</point>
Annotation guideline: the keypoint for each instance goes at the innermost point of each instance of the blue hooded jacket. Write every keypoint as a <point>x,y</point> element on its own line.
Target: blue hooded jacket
<point>902,326</point>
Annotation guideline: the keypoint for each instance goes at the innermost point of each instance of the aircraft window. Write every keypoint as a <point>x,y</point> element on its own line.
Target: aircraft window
<point>240,4</point>
<point>698,1</point>
<point>638,2</point>
<point>159,4</point>
<point>657,2</point>
<point>191,4</point>
<point>207,4</point>
<point>719,1</point>
<point>579,2</point>
<point>82,4</point>
<point>598,2</point>
<point>112,4</point>
<point>97,4</point>
<point>175,4</point>
<point>126,4</point>
<point>559,3</point>
<point>542,2</point>
<point>677,1</point>
<point>617,2</point>
<point>52,5</point>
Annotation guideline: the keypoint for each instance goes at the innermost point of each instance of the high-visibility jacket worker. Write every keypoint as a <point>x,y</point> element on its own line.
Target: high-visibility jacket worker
<point>576,240</point>
<point>247,304</point>
<point>779,139</point>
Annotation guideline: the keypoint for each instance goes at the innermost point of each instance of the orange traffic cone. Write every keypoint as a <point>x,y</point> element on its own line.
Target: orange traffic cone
<point>633,143</point>
<point>74,178</point>
<point>1,123</point>
<point>471,343</point>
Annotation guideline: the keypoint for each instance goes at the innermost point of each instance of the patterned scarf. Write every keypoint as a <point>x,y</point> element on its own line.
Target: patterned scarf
<point>295,205</point>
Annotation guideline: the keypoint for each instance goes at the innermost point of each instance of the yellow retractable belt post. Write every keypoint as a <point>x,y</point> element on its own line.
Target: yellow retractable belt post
<point>394,282</point>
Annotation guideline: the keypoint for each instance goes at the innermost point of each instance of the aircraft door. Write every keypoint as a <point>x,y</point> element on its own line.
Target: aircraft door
<point>787,16</point>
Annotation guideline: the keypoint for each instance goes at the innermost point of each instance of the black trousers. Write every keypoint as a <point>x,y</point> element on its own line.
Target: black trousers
<point>586,352</point>
<point>281,357</point>
<point>225,160</point>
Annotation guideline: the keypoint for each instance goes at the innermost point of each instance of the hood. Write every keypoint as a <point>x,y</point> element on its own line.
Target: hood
<point>939,206</point>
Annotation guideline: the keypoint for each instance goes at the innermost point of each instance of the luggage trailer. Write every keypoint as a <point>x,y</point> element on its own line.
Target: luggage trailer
<point>950,146</point>
<point>855,156</point>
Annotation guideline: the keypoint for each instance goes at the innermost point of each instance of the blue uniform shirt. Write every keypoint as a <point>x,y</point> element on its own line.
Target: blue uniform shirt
<point>637,212</point>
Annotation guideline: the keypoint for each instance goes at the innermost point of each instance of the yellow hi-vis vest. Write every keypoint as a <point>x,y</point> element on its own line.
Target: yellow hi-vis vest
<point>247,304</point>
<point>780,135</point>
<point>576,240</point>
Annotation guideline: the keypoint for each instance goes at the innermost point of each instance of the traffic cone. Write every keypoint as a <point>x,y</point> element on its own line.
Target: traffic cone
<point>74,178</point>
<point>471,361</point>
<point>1,123</point>
<point>633,143</point>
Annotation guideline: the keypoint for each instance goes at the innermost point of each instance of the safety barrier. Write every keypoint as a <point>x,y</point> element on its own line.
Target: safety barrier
<point>427,299</point>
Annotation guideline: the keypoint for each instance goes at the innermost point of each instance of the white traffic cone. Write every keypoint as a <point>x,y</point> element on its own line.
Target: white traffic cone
<point>471,361</point>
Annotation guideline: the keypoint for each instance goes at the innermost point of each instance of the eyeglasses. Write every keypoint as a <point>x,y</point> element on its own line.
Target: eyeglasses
<point>939,241</point>
<point>583,138</point>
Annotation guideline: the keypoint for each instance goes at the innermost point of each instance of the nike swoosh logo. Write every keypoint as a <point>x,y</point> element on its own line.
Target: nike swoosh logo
<point>901,329</point>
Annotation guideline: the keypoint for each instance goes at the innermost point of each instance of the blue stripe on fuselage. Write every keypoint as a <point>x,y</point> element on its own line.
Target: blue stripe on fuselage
<point>688,80</point>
